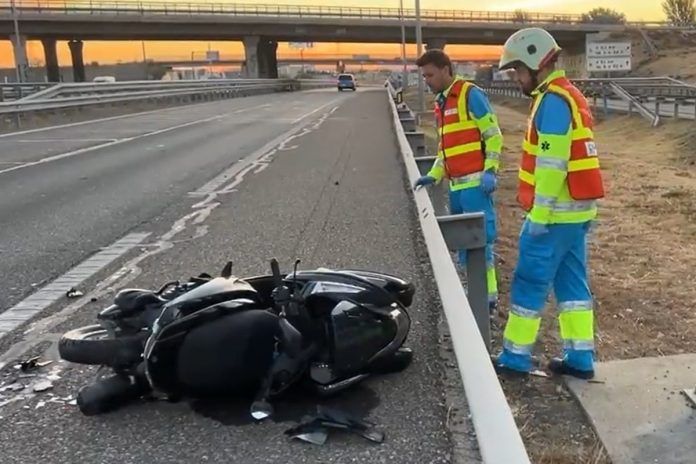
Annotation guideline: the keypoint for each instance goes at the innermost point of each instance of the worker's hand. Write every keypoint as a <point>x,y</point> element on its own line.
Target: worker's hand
<point>488,182</point>
<point>535,229</point>
<point>424,181</point>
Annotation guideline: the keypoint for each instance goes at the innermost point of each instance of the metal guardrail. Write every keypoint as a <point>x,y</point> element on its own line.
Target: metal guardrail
<point>497,434</point>
<point>633,102</point>
<point>13,91</point>
<point>88,88</point>
<point>642,94</point>
<point>181,91</point>
<point>296,11</point>
<point>81,94</point>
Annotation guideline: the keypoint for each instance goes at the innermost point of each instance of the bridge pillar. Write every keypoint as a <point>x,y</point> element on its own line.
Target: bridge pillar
<point>268,59</point>
<point>78,62</point>
<point>573,60</point>
<point>439,44</point>
<point>51,57</point>
<point>251,54</point>
<point>19,47</point>
<point>261,59</point>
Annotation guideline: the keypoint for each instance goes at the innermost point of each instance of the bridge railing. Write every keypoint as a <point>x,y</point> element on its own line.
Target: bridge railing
<point>62,97</point>
<point>295,11</point>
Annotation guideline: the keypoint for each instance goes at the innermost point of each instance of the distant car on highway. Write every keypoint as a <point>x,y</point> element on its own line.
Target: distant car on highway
<point>104,79</point>
<point>346,81</point>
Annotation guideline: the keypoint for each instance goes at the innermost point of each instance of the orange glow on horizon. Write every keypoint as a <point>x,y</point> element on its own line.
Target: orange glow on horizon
<point>113,52</point>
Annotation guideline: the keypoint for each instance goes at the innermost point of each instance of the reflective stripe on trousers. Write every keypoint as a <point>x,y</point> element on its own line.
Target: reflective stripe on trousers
<point>557,258</point>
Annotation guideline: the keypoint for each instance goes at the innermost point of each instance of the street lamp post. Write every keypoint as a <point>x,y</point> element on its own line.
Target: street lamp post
<point>404,76</point>
<point>419,52</point>
<point>19,60</point>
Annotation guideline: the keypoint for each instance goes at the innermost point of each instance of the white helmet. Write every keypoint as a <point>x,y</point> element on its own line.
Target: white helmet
<point>533,47</point>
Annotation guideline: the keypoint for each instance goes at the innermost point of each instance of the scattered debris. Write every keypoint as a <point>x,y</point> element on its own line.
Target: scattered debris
<point>32,363</point>
<point>12,387</point>
<point>539,373</point>
<point>73,293</point>
<point>43,386</point>
<point>316,429</point>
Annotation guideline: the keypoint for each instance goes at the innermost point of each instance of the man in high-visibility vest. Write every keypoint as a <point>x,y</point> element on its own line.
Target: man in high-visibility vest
<point>469,149</point>
<point>559,185</point>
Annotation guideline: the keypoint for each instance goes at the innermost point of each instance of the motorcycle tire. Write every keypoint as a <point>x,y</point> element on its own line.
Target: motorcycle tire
<point>397,362</point>
<point>109,394</point>
<point>88,345</point>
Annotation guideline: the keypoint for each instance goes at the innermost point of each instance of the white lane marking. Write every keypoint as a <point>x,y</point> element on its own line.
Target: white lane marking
<point>242,110</point>
<point>215,183</point>
<point>40,329</point>
<point>314,111</point>
<point>187,107</point>
<point>37,302</point>
<point>115,142</point>
<point>61,140</point>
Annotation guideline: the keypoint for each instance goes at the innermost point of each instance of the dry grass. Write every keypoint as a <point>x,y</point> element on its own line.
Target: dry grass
<point>642,263</point>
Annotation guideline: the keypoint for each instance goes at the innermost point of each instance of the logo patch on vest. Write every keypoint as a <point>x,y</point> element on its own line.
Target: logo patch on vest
<point>591,148</point>
<point>545,146</point>
<point>451,111</point>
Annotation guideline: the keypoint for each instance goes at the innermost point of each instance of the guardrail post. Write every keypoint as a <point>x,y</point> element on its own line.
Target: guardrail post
<point>605,102</point>
<point>676,108</point>
<point>657,105</point>
<point>417,141</point>
<point>408,122</point>
<point>468,232</point>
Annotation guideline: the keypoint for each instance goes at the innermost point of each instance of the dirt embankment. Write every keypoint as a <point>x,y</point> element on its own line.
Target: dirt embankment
<point>642,265</point>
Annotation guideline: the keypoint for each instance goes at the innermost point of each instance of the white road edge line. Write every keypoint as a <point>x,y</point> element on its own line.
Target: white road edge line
<point>113,118</point>
<point>109,144</point>
<point>215,183</point>
<point>37,302</point>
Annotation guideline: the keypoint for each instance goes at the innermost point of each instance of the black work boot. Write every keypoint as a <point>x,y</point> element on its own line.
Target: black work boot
<point>558,366</point>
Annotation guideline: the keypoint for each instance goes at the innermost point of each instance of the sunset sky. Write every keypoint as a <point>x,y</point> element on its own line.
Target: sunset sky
<point>110,52</point>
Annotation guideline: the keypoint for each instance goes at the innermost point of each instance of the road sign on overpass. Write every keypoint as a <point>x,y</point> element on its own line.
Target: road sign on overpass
<point>608,56</point>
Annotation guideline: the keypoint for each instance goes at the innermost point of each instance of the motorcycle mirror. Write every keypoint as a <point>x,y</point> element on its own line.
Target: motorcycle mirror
<point>227,270</point>
<point>261,410</point>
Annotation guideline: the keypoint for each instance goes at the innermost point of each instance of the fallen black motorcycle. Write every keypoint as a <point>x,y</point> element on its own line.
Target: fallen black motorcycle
<point>222,336</point>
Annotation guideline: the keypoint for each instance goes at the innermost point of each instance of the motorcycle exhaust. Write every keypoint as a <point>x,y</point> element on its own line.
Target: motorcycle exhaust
<point>326,390</point>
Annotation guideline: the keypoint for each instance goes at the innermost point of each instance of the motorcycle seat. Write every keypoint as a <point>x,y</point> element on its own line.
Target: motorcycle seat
<point>131,300</point>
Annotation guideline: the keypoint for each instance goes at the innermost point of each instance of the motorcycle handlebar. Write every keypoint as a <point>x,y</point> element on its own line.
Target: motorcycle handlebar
<point>275,269</point>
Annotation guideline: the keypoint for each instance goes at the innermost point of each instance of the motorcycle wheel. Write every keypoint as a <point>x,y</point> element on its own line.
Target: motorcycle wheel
<point>91,345</point>
<point>109,394</point>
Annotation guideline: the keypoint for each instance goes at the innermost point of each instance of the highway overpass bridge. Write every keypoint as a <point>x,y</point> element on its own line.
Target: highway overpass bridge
<point>261,27</point>
<point>321,60</point>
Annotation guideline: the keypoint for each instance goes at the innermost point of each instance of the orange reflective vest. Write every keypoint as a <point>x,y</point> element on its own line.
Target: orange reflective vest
<point>584,175</point>
<point>460,139</point>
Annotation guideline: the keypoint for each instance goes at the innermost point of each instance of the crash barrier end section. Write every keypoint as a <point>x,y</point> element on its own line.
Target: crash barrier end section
<point>491,415</point>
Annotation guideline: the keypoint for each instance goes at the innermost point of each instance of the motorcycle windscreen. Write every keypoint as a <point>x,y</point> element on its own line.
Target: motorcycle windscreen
<point>357,334</point>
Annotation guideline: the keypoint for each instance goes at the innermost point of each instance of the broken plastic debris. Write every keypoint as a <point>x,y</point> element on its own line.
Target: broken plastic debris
<point>40,404</point>
<point>73,293</point>
<point>12,387</point>
<point>43,386</point>
<point>538,373</point>
<point>32,363</point>
<point>316,429</point>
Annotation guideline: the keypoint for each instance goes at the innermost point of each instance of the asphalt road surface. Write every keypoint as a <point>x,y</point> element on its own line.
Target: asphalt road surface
<point>312,175</point>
